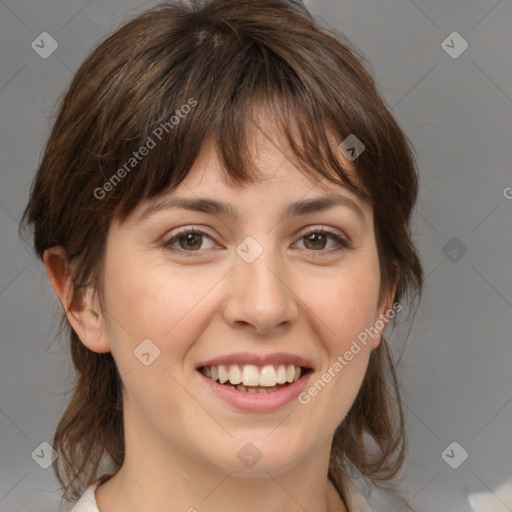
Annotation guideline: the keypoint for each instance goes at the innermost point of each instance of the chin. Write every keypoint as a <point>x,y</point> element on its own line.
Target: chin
<point>256,456</point>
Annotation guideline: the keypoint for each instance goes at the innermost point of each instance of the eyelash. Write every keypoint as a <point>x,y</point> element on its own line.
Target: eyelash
<point>315,254</point>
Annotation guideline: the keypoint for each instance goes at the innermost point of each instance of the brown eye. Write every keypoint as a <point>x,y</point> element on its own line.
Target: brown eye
<point>315,241</point>
<point>190,241</point>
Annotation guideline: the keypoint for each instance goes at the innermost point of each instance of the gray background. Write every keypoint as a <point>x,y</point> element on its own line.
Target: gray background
<point>456,369</point>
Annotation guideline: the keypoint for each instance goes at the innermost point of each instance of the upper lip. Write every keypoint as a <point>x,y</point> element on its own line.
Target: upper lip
<point>258,360</point>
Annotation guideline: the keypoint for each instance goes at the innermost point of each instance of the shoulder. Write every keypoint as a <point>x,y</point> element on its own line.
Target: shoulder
<point>87,502</point>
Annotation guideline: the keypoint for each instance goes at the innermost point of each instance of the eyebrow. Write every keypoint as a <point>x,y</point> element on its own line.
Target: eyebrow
<point>214,207</point>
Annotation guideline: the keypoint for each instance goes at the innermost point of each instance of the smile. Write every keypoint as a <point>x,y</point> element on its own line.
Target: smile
<point>250,378</point>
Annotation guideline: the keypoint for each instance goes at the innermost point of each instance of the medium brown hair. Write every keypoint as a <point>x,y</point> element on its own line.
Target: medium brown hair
<point>224,58</point>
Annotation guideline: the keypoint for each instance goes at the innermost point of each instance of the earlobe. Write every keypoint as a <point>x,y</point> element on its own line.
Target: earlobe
<point>386,311</point>
<point>81,309</point>
<point>379,324</point>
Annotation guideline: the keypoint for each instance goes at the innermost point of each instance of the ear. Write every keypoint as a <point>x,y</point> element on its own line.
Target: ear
<point>80,306</point>
<point>386,310</point>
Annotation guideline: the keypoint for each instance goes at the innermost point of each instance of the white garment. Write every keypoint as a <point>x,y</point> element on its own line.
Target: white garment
<point>355,500</point>
<point>493,501</point>
<point>87,502</point>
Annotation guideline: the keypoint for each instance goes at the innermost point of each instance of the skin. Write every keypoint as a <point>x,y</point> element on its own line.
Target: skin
<point>181,444</point>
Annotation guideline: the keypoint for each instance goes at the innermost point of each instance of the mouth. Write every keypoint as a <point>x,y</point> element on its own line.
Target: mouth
<point>249,378</point>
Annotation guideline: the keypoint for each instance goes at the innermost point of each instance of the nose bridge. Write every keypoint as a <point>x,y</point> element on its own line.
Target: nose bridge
<point>260,294</point>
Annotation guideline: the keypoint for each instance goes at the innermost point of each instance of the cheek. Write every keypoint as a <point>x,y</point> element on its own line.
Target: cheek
<point>345,308</point>
<point>148,301</point>
<point>154,301</point>
<point>347,302</point>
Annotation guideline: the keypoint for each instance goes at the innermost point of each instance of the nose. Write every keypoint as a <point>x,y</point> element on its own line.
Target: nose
<point>261,295</point>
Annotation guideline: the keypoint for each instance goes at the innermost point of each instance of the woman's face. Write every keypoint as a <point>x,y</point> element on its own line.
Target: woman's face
<point>247,287</point>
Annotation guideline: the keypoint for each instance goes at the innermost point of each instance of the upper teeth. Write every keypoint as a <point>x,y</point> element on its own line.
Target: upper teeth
<point>251,375</point>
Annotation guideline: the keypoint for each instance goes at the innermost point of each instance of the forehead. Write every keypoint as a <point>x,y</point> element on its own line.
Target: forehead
<point>275,164</point>
<point>277,173</point>
<point>280,188</point>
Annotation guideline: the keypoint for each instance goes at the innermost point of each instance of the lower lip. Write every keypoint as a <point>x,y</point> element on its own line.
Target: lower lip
<point>257,402</point>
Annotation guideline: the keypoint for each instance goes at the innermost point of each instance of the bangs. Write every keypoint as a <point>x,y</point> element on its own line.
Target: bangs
<point>313,151</point>
<point>226,85</point>
<point>143,104</point>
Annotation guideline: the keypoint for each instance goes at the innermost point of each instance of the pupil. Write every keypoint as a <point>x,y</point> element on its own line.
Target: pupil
<point>191,239</point>
<point>314,238</point>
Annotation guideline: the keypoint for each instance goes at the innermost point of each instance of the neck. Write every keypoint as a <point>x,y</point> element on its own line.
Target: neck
<point>178,488</point>
<point>159,474</point>
<point>229,494</point>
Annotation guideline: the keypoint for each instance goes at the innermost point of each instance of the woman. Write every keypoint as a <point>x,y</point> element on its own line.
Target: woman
<point>223,211</point>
